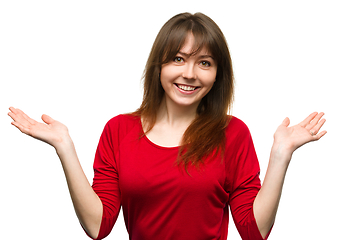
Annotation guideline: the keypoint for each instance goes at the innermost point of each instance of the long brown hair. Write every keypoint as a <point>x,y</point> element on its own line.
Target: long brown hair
<point>205,134</point>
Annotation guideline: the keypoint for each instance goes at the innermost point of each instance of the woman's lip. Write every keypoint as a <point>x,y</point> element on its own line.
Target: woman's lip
<point>185,85</point>
<point>187,92</point>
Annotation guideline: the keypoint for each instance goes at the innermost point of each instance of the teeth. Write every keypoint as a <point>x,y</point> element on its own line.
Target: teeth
<point>186,88</point>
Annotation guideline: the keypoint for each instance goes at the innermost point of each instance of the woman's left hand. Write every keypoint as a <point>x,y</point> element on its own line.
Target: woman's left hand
<point>288,139</point>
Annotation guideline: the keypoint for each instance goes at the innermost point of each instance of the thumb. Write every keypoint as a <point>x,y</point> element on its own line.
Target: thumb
<point>286,122</point>
<point>47,119</point>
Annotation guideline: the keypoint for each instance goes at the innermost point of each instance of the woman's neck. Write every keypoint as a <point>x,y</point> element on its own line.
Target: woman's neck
<point>175,115</point>
<point>171,123</point>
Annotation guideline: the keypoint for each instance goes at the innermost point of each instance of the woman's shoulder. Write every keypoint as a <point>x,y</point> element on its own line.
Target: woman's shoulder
<point>237,123</point>
<point>123,122</point>
<point>237,126</point>
<point>124,118</point>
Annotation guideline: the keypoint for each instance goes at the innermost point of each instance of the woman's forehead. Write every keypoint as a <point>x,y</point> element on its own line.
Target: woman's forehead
<point>191,47</point>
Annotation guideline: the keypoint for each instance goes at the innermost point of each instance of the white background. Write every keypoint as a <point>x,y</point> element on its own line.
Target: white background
<point>81,63</point>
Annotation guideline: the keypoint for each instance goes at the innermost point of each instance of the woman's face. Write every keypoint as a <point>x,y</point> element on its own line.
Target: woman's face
<point>188,78</point>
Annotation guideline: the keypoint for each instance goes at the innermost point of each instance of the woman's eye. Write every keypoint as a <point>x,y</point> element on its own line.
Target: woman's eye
<point>178,59</point>
<point>205,63</point>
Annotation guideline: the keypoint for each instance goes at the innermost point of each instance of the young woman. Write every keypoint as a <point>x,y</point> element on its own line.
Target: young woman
<point>179,162</point>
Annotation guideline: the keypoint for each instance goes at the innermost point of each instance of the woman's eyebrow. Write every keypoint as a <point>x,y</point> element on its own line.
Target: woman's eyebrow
<point>200,56</point>
<point>205,56</point>
<point>185,54</point>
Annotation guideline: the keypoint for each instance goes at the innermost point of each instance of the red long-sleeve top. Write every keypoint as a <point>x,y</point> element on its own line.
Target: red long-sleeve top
<point>160,200</point>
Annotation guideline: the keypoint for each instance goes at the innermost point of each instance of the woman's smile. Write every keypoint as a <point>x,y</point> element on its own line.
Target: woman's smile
<point>186,89</point>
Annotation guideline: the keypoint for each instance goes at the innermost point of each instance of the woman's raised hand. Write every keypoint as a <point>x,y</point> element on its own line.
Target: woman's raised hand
<point>51,132</point>
<point>87,204</point>
<point>291,138</point>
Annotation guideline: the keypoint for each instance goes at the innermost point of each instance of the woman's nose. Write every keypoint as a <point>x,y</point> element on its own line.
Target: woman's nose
<point>189,71</point>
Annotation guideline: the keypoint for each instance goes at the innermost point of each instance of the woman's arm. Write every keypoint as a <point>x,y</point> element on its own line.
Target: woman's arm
<point>286,141</point>
<point>86,203</point>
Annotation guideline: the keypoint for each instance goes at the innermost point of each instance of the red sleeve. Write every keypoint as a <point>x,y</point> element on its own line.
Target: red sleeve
<point>105,182</point>
<point>246,184</point>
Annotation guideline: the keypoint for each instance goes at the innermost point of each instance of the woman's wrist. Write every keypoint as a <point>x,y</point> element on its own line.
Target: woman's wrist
<point>280,154</point>
<point>64,147</point>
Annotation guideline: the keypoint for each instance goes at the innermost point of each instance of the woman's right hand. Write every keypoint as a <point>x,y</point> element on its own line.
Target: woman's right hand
<point>51,132</point>
<point>87,204</point>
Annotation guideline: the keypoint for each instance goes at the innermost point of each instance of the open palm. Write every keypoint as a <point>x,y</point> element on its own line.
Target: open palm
<point>295,136</point>
<point>51,131</point>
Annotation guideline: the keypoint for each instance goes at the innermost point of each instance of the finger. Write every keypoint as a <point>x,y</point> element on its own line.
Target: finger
<point>308,119</point>
<point>20,116</point>
<point>11,114</point>
<point>286,122</point>
<point>317,127</point>
<point>14,110</point>
<point>17,117</point>
<point>20,127</point>
<point>47,119</point>
<point>315,121</point>
<point>27,118</point>
<point>11,109</point>
<point>319,135</point>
